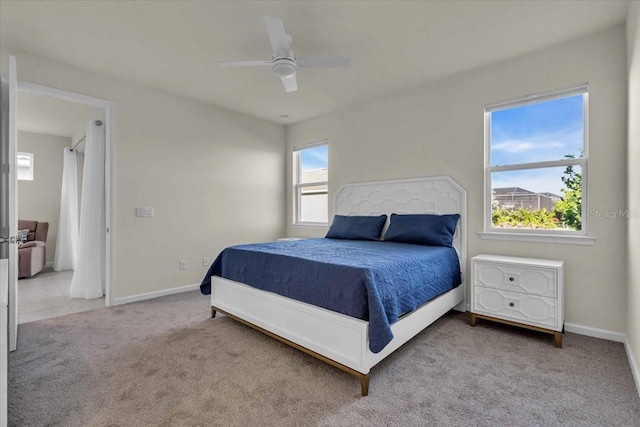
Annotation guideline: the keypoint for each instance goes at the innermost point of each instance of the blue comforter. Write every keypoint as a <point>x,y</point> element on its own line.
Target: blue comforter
<point>373,281</point>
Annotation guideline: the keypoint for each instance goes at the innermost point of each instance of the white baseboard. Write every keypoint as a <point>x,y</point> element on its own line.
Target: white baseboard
<point>594,332</point>
<point>154,294</point>
<point>632,363</point>
<point>588,331</point>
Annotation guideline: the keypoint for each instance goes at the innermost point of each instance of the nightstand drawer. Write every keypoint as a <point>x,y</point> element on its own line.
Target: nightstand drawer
<point>515,278</point>
<point>530,309</point>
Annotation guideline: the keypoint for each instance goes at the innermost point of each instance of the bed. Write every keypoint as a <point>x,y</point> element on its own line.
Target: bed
<point>337,329</point>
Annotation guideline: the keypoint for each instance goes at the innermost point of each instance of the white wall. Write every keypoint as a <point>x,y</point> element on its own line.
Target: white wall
<point>214,177</point>
<point>633,178</point>
<point>40,199</point>
<point>437,129</point>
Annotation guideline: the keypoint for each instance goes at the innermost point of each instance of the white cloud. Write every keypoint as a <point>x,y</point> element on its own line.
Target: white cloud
<point>519,146</point>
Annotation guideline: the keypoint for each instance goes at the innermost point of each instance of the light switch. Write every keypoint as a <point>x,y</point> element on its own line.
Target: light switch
<point>144,212</point>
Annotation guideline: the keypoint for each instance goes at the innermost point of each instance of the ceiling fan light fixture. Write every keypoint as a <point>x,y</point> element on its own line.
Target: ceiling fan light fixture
<point>284,67</point>
<point>283,61</point>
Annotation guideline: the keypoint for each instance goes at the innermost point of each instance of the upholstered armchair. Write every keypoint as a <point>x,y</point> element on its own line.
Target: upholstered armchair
<point>32,253</point>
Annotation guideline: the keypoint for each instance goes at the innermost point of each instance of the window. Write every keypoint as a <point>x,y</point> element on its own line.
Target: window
<point>24,164</point>
<point>536,164</point>
<point>311,184</point>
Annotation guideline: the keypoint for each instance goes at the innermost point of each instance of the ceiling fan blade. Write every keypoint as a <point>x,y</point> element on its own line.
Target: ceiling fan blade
<point>327,62</point>
<point>277,35</point>
<point>245,64</point>
<point>290,84</point>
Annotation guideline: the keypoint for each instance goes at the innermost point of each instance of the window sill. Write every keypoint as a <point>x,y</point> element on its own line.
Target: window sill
<point>540,238</point>
<point>309,225</point>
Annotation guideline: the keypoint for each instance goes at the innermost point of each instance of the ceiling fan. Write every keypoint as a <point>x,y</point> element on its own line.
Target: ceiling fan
<point>284,63</point>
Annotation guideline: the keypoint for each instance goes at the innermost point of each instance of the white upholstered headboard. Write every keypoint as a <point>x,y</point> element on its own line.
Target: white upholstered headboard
<point>434,195</point>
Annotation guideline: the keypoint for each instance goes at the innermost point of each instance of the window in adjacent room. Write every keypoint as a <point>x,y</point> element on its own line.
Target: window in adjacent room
<point>24,166</point>
<point>310,175</point>
<point>536,163</point>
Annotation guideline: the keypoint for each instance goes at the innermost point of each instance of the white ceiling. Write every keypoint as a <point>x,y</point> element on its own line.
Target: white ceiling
<point>394,45</point>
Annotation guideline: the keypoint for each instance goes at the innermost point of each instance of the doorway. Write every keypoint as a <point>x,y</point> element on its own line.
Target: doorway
<point>48,115</point>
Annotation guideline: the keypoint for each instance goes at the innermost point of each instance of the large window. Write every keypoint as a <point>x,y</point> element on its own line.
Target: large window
<point>536,163</point>
<point>311,176</point>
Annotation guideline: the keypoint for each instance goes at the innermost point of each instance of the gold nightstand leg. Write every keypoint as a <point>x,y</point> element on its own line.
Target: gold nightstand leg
<point>557,336</point>
<point>558,339</point>
<point>364,384</point>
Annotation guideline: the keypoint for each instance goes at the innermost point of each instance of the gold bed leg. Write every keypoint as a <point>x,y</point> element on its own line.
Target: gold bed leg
<point>364,384</point>
<point>558,339</point>
<point>473,320</point>
<point>213,312</point>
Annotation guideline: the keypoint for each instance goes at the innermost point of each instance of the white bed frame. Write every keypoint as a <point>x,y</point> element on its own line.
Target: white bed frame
<point>335,338</point>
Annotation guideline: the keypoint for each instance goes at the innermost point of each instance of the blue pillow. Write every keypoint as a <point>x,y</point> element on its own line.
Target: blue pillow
<point>356,227</point>
<point>430,230</point>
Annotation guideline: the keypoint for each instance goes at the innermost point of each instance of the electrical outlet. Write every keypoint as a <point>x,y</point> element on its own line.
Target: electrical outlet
<point>183,264</point>
<point>206,262</point>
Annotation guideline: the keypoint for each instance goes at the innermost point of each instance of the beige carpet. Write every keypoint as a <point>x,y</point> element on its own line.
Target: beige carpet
<point>166,363</point>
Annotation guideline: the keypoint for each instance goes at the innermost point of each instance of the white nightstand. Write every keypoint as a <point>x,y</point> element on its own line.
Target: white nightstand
<point>524,292</point>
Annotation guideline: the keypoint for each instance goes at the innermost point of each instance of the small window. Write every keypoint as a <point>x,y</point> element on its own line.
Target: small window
<point>311,181</point>
<point>536,159</point>
<point>24,164</point>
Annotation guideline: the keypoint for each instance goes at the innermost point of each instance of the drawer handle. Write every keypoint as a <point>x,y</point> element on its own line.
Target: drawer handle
<point>511,279</point>
<point>511,304</point>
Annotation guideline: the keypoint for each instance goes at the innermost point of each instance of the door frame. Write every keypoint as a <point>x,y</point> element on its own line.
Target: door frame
<point>12,199</point>
<point>108,166</point>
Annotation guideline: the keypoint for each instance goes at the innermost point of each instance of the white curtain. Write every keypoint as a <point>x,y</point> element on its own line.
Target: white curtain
<point>89,278</point>
<point>67,243</point>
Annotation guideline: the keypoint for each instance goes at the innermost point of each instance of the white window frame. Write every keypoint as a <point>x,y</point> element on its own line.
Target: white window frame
<point>298,186</point>
<point>31,159</point>
<point>538,235</point>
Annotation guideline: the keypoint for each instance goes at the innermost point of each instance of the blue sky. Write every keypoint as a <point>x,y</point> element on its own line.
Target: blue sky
<point>314,157</point>
<point>534,133</point>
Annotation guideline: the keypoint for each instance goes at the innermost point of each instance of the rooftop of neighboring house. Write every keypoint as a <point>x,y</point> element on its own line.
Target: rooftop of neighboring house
<point>518,191</point>
<point>315,175</point>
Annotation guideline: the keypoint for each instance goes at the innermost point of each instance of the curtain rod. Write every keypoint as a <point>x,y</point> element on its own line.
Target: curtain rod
<point>98,123</point>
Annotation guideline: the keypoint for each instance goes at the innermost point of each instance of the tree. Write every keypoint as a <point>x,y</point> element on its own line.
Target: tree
<point>569,209</point>
<point>523,218</point>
